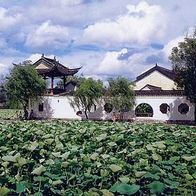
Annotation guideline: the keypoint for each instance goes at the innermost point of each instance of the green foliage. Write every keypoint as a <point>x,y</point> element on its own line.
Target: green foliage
<point>75,79</point>
<point>144,108</point>
<point>3,97</point>
<point>183,59</point>
<point>120,94</point>
<point>9,114</point>
<point>96,158</point>
<point>23,84</point>
<point>87,94</point>
<point>125,189</point>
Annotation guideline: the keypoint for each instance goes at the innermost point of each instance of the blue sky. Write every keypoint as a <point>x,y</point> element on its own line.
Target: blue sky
<point>107,37</point>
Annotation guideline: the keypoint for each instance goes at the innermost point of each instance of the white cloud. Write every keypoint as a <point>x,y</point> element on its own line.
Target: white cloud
<point>172,43</point>
<point>140,25</point>
<point>7,20</point>
<point>34,57</point>
<point>111,64</point>
<point>48,35</point>
<point>37,56</point>
<point>63,2</point>
<point>3,68</point>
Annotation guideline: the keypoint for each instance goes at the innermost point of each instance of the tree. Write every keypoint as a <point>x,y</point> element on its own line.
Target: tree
<point>88,92</point>
<point>2,91</point>
<point>183,59</point>
<point>24,84</point>
<point>74,78</point>
<point>120,94</point>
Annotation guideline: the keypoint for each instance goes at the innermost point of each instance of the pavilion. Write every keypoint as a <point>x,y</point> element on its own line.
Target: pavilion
<point>50,69</point>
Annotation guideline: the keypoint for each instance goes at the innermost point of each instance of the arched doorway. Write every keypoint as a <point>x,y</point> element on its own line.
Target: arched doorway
<point>144,110</point>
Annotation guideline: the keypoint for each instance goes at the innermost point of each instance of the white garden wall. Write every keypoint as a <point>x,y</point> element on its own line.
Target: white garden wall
<point>59,107</point>
<point>173,102</point>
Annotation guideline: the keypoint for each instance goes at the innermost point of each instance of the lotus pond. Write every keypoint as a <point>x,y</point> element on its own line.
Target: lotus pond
<point>96,158</point>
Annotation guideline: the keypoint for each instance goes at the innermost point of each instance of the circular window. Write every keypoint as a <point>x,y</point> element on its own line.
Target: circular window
<point>183,108</point>
<point>144,110</point>
<point>78,113</point>
<point>108,107</point>
<point>164,108</point>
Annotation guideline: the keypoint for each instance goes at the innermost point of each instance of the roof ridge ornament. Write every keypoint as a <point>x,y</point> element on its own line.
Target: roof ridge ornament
<point>42,55</point>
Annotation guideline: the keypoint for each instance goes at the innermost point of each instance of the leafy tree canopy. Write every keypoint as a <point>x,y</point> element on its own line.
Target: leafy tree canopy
<point>87,94</point>
<point>183,59</point>
<point>120,94</point>
<point>23,84</point>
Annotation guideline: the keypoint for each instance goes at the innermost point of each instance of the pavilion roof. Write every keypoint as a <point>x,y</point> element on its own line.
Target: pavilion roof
<point>53,68</point>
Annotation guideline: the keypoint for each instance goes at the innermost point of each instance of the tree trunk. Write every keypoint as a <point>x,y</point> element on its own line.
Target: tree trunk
<point>25,106</point>
<point>122,116</point>
<point>195,113</point>
<point>25,113</point>
<point>85,112</point>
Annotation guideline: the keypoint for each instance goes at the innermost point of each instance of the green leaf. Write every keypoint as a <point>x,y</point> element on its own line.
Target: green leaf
<point>188,177</point>
<point>159,144</point>
<point>171,183</point>
<point>156,157</point>
<point>123,188</point>
<point>4,191</point>
<point>38,194</point>
<point>101,137</point>
<point>49,141</point>
<point>21,161</point>
<point>115,168</point>
<point>112,144</point>
<point>124,179</point>
<point>59,146</point>
<point>33,146</point>
<point>57,182</point>
<point>156,187</point>
<point>39,170</point>
<point>94,156</point>
<point>65,155</point>
<point>188,158</point>
<point>139,174</point>
<point>151,176</point>
<point>149,147</point>
<point>105,156</point>
<point>9,158</point>
<point>106,192</point>
<point>20,187</point>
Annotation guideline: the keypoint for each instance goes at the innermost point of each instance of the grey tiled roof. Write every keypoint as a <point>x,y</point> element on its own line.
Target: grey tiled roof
<point>166,72</point>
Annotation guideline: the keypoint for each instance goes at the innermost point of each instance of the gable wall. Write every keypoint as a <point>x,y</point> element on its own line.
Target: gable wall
<point>41,66</point>
<point>156,79</point>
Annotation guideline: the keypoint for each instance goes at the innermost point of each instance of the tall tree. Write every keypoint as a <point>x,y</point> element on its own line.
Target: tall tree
<point>183,59</point>
<point>24,84</point>
<point>87,94</point>
<point>120,94</point>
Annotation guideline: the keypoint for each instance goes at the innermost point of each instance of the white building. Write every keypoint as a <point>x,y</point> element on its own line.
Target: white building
<point>156,98</point>
<point>156,87</point>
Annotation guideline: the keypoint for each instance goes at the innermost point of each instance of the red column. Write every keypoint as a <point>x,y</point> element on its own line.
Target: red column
<point>52,85</point>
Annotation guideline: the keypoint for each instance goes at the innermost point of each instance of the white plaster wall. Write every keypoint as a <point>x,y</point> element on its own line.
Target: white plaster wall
<point>156,79</point>
<point>172,101</point>
<point>59,107</point>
